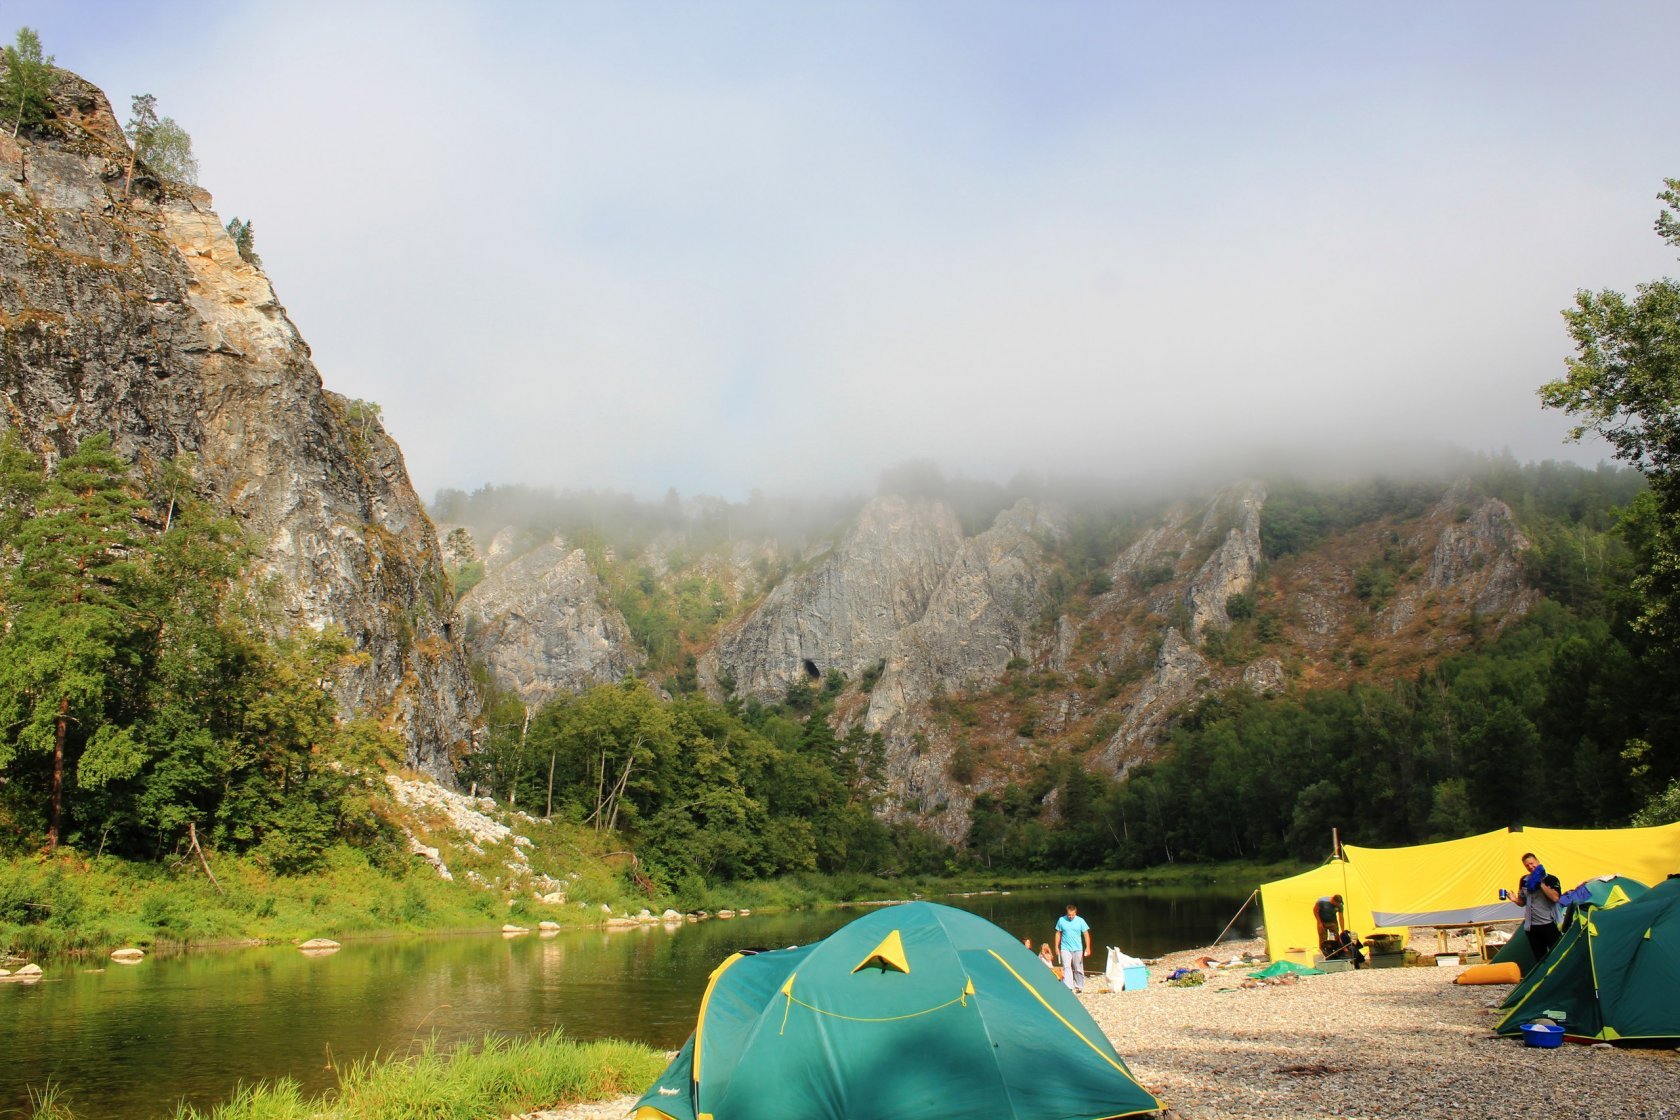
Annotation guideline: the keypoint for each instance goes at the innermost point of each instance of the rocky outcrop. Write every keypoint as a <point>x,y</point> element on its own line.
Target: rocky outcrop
<point>1180,674</point>
<point>1234,563</point>
<point>540,623</point>
<point>1264,677</point>
<point>1475,562</point>
<point>846,609</point>
<point>1182,571</point>
<point>135,316</point>
<point>982,615</point>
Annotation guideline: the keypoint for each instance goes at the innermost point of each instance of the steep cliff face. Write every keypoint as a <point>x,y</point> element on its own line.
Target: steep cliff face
<point>906,592</point>
<point>137,317</point>
<point>1170,588</point>
<point>985,613</point>
<point>981,616</point>
<point>540,623</point>
<point>845,610</point>
<point>1474,549</point>
<point>1001,670</point>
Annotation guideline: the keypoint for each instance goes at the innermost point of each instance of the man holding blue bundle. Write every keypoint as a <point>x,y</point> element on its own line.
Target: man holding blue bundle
<point>1537,894</point>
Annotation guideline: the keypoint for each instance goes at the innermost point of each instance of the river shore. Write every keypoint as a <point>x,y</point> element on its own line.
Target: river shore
<point>1378,1043</point>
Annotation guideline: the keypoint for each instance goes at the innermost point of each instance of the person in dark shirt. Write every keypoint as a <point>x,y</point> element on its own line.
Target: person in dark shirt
<point>1537,894</point>
<point>1335,943</point>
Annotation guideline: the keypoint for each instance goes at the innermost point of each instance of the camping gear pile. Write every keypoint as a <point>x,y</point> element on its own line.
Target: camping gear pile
<point>909,1012</point>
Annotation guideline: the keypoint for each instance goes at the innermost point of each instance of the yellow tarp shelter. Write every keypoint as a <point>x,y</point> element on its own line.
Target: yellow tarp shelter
<point>1455,882</point>
<point>1291,932</point>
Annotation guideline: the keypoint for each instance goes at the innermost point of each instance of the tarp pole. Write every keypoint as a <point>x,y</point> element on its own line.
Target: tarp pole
<point>1336,839</point>
<point>1237,915</point>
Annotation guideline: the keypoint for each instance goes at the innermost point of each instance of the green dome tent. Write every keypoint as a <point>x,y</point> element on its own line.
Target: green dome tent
<point>1614,976</point>
<point>912,1012</point>
<point>1606,890</point>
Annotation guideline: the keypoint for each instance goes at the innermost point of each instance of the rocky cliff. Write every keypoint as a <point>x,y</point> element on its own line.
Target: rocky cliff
<point>904,594</point>
<point>989,667</point>
<point>539,622</point>
<point>127,309</point>
<point>1181,573</point>
<point>845,610</point>
<point>977,658</point>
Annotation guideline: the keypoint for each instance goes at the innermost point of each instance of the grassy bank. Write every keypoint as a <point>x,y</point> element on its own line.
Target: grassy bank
<point>467,1083</point>
<point>51,906</point>
<point>65,904</point>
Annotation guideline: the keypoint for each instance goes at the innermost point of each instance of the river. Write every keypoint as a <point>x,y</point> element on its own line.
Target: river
<point>130,1042</point>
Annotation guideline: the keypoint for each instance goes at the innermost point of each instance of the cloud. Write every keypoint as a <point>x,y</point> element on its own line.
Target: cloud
<point>728,246</point>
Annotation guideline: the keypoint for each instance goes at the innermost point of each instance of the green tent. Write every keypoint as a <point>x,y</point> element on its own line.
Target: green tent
<point>1615,975</point>
<point>1606,890</point>
<point>914,1012</point>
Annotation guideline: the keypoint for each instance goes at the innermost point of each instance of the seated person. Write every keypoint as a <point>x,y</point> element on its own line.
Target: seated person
<point>1344,947</point>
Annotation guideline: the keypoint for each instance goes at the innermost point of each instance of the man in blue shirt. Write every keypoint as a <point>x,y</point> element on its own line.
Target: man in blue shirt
<point>1074,937</point>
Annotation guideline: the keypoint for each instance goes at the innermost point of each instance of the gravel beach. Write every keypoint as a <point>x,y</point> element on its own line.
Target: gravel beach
<point>1398,1042</point>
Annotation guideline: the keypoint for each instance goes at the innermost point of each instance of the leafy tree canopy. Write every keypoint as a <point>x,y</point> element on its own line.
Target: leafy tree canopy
<point>1624,384</point>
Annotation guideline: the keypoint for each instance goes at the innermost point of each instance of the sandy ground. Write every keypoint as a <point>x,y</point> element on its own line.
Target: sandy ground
<point>1401,1042</point>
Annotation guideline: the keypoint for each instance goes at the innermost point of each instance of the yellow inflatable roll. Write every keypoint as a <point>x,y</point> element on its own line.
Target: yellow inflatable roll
<point>1506,972</point>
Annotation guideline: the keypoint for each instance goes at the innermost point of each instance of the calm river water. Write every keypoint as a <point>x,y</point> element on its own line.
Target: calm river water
<point>131,1042</point>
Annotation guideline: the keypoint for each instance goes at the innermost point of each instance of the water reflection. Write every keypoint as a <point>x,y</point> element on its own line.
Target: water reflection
<point>131,1042</point>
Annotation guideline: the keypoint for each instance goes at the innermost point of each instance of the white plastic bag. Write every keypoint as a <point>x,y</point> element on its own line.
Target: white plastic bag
<point>1117,965</point>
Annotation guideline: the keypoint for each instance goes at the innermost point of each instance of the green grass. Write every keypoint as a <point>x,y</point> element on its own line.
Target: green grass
<point>44,1104</point>
<point>53,905</point>
<point>497,1078</point>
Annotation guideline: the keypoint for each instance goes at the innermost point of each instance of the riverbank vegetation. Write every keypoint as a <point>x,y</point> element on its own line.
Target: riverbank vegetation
<point>498,1078</point>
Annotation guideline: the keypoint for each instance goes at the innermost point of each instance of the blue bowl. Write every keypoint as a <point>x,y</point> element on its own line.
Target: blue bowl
<point>1547,1036</point>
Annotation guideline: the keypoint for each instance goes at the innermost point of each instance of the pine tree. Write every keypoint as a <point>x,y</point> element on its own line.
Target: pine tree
<point>27,86</point>
<point>244,241</point>
<point>72,621</point>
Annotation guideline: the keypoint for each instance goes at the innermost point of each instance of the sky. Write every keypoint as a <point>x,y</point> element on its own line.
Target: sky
<point>720,246</point>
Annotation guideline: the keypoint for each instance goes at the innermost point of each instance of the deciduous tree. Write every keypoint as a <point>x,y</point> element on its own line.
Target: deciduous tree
<point>159,143</point>
<point>1624,384</point>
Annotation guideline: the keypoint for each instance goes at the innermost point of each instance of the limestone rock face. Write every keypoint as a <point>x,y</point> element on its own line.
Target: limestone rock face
<point>844,612</point>
<point>1180,674</point>
<point>979,618</point>
<point>137,317</point>
<point>1474,564</point>
<point>1187,566</point>
<point>541,624</point>
<point>1264,677</point>
<point>1234,563</point>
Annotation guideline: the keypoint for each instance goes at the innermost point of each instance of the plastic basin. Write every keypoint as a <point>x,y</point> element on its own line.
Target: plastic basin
<point>1547,1036</point>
